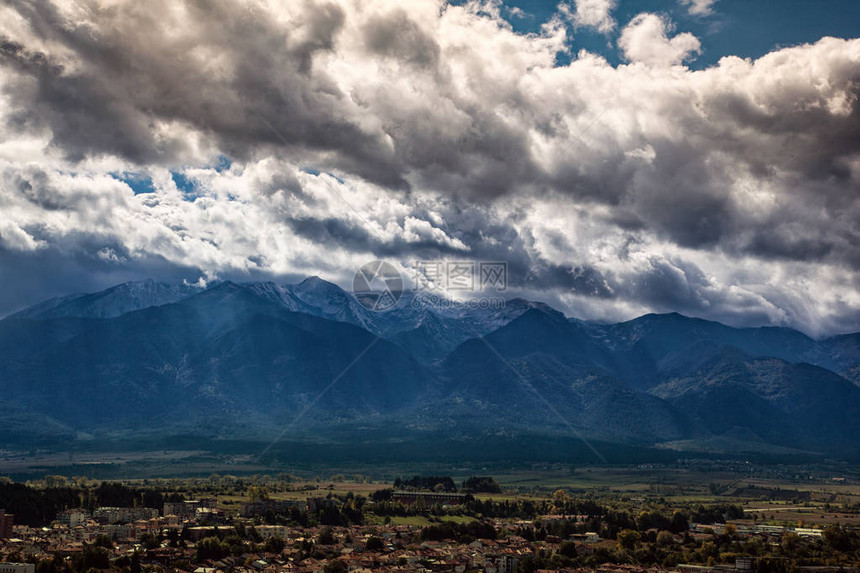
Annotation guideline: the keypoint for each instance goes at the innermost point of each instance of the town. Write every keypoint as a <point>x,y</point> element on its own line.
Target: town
<point>421,524</point>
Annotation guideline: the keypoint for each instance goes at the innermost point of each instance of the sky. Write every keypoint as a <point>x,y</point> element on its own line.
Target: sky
<point>622,157</point>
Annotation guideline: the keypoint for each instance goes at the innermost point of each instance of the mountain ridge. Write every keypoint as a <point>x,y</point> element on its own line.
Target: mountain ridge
<point>246,358</point>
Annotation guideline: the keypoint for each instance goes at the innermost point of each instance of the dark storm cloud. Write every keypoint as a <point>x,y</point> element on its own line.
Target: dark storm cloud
<point>131,75</point>
<point>440,132</point>
<point>486,242</point>
<point>396,35</point>
<point>238,75</point>
<point>793,244</point>
<point>667,287</point>
<point>28,278</point>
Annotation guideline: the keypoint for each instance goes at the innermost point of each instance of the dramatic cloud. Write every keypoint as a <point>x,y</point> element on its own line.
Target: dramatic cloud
<point>255,139</point>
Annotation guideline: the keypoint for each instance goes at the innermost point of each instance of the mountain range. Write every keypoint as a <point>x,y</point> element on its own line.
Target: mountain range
<point>305,361</point>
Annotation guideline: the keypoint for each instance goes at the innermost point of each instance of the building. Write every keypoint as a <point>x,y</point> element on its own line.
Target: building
<point>275,506</point>
<point>6,520</point>
<point>209,515</point>
<point>189,508</point>
<point>500,563</point>
<point>200,532</point>
<point>123,514</point>
<point>73,517</point>
<point>588,537</point>
<point>122,531</point>
<point>269,531</point>
<point>428,497</point>
<point>746,564</point>
<point>17,568</point>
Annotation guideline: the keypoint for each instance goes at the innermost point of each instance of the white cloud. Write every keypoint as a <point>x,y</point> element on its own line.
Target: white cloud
<point>699,7</point>
<point>15,238</point>
<point>645,39</point>
<point>595,14</point>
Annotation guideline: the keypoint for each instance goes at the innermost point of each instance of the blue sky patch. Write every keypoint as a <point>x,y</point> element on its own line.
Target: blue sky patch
<point>744,28</point>
<point>139,182</point>
<point>223,164</point>
<point>185,185</point>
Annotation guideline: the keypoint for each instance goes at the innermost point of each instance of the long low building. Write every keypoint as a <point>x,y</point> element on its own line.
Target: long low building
<point>744,529</point>
<point>17,568</point>
<point>275,506</point>
<point>123,514</point>
<point>429,497</point>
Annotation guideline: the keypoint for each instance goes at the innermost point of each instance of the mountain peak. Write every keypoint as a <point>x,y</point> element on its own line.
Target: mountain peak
<point>111,302</point>
<point>675,318</point>
<point>543,314</point>
<point>535,322</point>
<point>222,287</point>
<point>315,281</point>
<point>665,316</point>
<point>316,285</point>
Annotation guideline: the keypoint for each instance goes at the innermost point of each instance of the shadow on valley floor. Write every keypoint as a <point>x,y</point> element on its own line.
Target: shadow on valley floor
<point>195,456</point>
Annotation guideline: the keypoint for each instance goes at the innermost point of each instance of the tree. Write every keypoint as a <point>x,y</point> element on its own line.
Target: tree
<point>91,557</point>
<point>568,549</point>
<point>627,539</point>
<point>55,481</point>
<point>211,548</point>
<point>274,545</point>
<point>258,493</point>
<point>665,538</point>
<point>326,537</point>
<point>135,563</point>
<point>838,537</point>
<point>426,483</point>
<point>679,523</point>
<point>335,566</point>
<point>485,484</point>
<point>374,544</point>
<point>112,494</point>
<point>55,565</point>
<point>790,541</point>
<point>381,495</point>
<point>150,541</point>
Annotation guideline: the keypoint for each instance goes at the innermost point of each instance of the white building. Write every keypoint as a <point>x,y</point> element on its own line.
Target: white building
<point>73,517</point>
<point>123,514</point>
<point>17,568</point>
<point>268,531</point>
